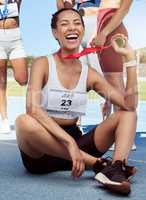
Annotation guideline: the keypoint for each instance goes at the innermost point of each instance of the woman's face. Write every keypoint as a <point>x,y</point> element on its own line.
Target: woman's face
<point>69,30</point>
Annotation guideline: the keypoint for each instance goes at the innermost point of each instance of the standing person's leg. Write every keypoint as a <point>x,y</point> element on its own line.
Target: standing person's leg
<point>4,128</point>
<point>112,63</point>
<point>112,66</point>
<point>19,62</point>
<point>20,70</point>
<point>3,85</point>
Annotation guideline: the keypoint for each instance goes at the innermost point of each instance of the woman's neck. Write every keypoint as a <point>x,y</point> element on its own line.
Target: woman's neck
<point>61,55</point>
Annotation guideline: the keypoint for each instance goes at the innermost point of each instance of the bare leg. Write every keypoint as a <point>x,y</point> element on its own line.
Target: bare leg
<point>119,127</point>
<point>20,70</point>
<point>35,141</point>
<point>116,80</point>
<point>3,85</point>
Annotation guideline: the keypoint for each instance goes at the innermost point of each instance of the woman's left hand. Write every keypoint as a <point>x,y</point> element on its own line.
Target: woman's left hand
<point>125,49</point>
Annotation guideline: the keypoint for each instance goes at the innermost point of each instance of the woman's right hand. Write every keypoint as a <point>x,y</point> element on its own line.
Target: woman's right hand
<point>78,164</point>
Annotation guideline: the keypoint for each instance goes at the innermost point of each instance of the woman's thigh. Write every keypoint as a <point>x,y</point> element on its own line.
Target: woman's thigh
<point>109,60</point>
<point>20,69</point>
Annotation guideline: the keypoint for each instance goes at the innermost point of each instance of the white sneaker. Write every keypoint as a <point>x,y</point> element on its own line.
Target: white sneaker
<point>133,147</point>
<point>5,128</point>
<point>113,147</point>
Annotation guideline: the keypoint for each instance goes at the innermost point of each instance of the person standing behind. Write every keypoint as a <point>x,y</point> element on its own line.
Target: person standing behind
<point>109,22</point>
<point>11,48</point>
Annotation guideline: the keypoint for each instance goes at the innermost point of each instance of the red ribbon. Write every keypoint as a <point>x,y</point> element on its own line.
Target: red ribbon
<point>87,51</point>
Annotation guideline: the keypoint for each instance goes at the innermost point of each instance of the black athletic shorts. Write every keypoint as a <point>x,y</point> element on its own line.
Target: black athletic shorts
<point>47,163</point>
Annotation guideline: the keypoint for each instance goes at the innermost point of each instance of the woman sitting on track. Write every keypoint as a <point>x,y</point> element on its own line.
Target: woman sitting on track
<point>48,137</point>
<point>11,48</point>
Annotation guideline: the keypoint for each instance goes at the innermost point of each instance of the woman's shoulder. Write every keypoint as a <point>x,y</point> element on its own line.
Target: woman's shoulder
<point>41,60</point>
<point>40,64</point>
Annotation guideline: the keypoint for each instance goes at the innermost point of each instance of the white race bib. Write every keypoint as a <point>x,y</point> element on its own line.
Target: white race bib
<point>67,101</point>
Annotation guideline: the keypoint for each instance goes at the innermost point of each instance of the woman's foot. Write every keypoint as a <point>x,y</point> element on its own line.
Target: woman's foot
<point>5,128</point>
<point>115,177</point>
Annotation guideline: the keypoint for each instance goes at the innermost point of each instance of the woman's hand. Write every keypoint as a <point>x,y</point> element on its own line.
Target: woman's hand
<point>78,165</point>
<point>69,3</point>
<point>98,40</point>
<point>106,109</point>
<point>124,48</point>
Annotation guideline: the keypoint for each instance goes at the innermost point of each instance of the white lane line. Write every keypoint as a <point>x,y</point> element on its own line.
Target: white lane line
<point>8,143</point>
<point>143,135</point>
<point>138,161</point>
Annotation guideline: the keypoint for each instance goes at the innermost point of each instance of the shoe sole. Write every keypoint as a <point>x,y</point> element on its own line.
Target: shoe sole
<point>123,188</point>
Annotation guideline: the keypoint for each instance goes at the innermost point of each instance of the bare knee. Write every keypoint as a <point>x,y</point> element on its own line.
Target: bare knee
<point>23,124</point>
<point>21,120</point>
<point>21,80</point>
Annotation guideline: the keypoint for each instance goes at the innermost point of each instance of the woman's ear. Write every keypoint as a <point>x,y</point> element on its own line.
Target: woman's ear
<point>54,33</point>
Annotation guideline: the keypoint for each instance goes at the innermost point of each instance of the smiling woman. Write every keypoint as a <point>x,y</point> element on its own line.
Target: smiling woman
<point>48,135</point>
<point>66,26</point>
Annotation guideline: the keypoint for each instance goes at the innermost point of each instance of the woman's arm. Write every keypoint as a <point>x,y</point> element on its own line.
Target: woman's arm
<point>117,17</point>
<point>38,78</point>
<point>60,4</point>
<point>65,4</point>
<point>115,21</point>
<point>128,100</point>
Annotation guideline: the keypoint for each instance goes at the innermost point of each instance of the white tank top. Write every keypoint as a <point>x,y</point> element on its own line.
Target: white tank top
<point>60,102</point>
<point>9,10</point>
<point>110,3</point>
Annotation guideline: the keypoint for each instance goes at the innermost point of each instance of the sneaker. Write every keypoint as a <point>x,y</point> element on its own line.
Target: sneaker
<point>100,164</point>
<point>5,128</point>
<point>104,162</point>
<point>133,147</point>
<point>112,148</point>
<point>114,178</point>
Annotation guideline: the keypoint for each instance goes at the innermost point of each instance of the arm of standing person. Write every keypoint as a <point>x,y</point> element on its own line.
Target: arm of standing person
<point>60,4</point>
<point>38,78</point>
<point>127,100</point>
<point>115,21</point>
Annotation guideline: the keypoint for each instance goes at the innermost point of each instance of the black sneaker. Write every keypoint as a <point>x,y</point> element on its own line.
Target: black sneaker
<point>114,178</point>
<point>100,164</point>
<point>104,162</point>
